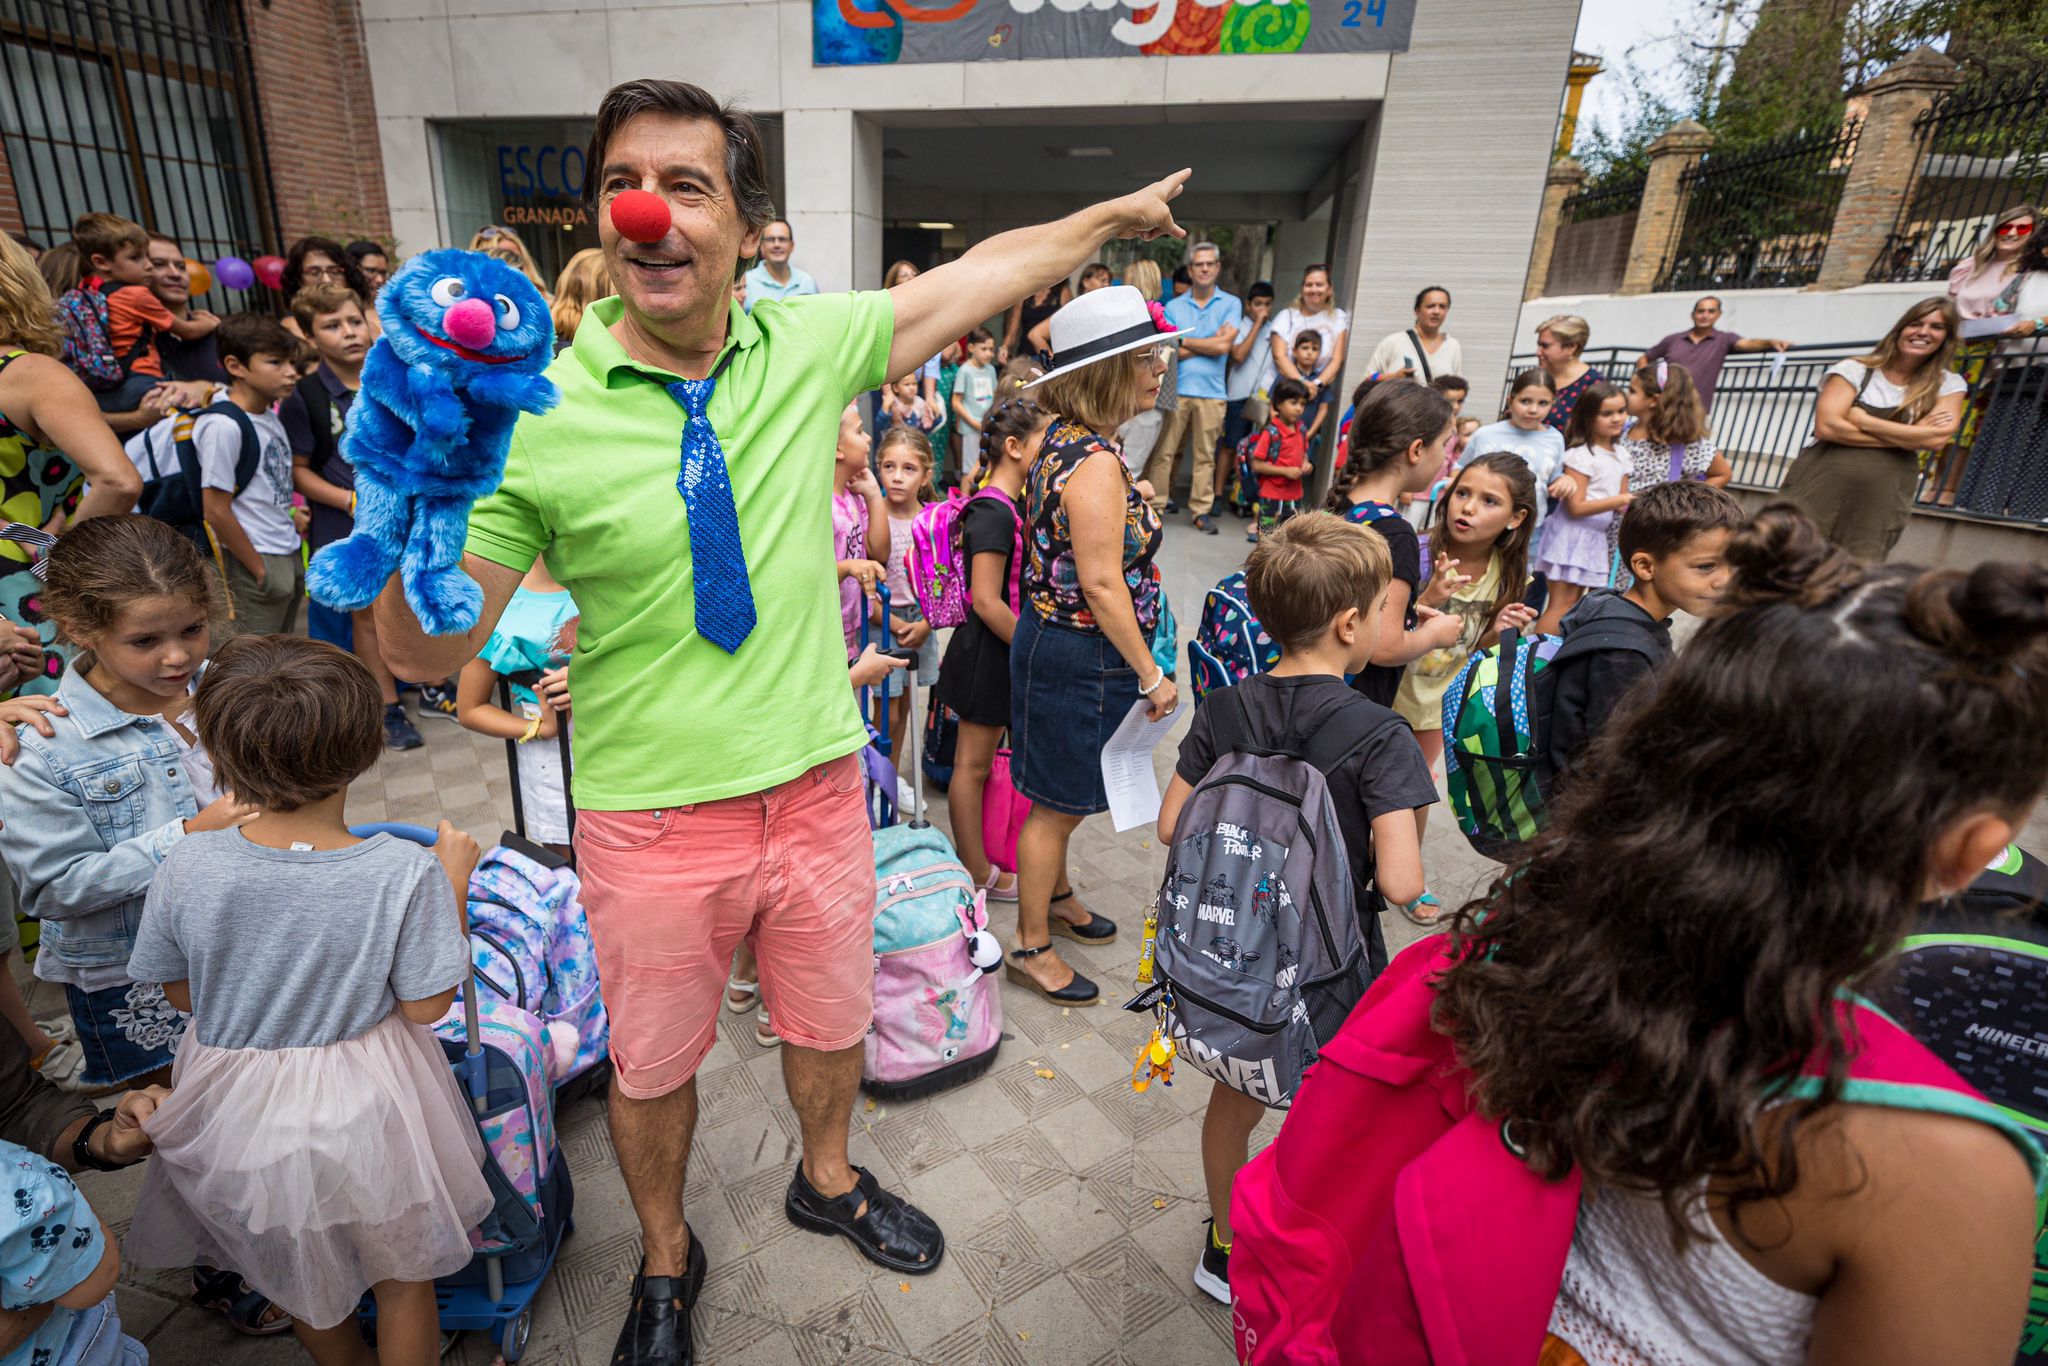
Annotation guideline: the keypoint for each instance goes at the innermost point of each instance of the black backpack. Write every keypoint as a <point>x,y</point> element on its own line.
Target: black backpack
<point>173,494</point>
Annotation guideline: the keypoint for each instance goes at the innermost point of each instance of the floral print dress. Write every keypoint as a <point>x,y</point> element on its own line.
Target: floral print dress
<point>36,483</point>
<point>1051,579</point>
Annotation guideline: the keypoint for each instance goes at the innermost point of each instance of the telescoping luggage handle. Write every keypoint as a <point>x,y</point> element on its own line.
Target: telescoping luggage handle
<point>908,656</point>
<point>530,678</point>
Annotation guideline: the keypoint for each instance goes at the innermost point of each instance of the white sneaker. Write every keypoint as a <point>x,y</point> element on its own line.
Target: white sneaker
<point>62,1065</point>
<point>906,797</point>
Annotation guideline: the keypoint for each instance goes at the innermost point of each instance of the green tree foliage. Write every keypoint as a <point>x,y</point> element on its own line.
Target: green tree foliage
<point>1795,61</point>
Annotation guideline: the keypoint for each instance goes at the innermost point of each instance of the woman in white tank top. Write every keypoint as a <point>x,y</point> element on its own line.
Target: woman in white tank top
<point>1840,745</point>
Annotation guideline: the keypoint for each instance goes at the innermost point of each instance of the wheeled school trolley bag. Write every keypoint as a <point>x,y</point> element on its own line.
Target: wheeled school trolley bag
<point>1971,983</point>
<point>938,1019</point>
<point>500,1056</point>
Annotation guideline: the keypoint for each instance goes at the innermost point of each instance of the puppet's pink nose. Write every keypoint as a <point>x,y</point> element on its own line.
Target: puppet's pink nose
<point>471,323</point>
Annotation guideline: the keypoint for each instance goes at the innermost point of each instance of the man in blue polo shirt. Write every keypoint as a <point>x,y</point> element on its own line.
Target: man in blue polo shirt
<point>774,277</point>
<point>1209,321</point>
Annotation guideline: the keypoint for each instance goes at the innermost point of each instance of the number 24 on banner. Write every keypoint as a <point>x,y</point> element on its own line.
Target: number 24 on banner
<point>1356,11</point>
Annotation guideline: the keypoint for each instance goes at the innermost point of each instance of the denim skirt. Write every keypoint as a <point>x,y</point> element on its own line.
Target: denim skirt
<point>1069,691</point>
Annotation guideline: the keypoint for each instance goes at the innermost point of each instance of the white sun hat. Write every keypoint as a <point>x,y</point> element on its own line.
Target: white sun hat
<point>1102,322</point>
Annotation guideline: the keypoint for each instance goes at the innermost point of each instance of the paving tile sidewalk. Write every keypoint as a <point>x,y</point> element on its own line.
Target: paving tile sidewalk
<point>1073,1206</point>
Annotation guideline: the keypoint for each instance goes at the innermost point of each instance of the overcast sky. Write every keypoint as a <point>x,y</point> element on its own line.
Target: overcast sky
<point>1611,28</point>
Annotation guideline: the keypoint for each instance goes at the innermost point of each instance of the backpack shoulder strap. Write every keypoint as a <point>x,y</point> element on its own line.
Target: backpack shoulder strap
<point>1230,724</point>
<point>1347,733</point>
<point>1613,633</point>
<point>252,443</point>
<point>1891,1067</point>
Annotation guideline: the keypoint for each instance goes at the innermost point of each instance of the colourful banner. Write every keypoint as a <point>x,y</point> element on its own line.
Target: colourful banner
<point>881,32</point>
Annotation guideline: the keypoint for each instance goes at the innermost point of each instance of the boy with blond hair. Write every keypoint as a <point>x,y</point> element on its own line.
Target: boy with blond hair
<point>1318,585</point>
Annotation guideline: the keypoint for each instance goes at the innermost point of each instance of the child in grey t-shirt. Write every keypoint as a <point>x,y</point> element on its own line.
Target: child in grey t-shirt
<point>314,1138</point>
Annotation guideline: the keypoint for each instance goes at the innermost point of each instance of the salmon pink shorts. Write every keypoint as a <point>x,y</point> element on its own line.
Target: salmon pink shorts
<point>671,894</point>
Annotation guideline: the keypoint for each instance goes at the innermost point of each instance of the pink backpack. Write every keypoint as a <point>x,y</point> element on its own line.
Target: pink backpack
<point>1390,1222</point>
<point>936,564</point>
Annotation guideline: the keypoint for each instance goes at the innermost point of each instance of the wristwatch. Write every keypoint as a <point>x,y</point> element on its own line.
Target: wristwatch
<point>81,1147</point>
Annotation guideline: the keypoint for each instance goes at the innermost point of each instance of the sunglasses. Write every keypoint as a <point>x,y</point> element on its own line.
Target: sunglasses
<point>2014,229</point>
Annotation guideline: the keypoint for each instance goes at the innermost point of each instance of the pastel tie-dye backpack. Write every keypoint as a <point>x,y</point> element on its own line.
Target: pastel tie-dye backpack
<point>530,942</point>
<point>1229,645</point>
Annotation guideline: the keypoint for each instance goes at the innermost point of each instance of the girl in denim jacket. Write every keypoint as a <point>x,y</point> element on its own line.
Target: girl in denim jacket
<point>109,776</point>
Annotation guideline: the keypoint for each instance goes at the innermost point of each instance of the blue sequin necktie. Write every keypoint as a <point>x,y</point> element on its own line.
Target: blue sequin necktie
<point>718,565</point>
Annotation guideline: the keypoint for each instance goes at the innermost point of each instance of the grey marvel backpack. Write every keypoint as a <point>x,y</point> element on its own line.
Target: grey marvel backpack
<point>1257,905</point>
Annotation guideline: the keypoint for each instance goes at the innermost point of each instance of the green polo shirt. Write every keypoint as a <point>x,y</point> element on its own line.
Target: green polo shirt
<point>664,718</point>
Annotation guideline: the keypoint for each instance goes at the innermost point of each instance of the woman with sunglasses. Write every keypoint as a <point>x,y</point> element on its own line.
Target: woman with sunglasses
<point>1081,657</point>
<point>2008,473</point>
<point>1977,284</point>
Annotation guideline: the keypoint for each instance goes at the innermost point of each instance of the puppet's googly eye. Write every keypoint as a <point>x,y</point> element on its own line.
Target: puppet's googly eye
<point>447,290</point>
<point>508,314</point>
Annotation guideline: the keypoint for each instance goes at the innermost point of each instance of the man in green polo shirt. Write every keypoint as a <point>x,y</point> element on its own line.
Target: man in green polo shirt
<point>682,492</point>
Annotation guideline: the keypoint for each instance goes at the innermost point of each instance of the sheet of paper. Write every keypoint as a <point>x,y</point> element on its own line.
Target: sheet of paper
<point>1777,367</point>
<point>1127,773</point>
<point>1974,328</point>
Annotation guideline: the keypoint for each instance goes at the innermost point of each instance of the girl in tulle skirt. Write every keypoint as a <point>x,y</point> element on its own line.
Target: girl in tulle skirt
<point>314,1137</point>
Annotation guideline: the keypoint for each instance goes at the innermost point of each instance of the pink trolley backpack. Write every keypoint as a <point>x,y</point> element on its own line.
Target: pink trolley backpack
<point>936,563</point>
<point>1390,1222</point>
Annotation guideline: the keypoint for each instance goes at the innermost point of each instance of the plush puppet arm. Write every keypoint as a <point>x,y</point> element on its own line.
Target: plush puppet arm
<point>440,419</point>
<point>514,389</point>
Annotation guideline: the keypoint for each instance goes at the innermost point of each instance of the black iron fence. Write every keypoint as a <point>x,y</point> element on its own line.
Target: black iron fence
<point>1605,201</point>
<point>1978,152</point>
<point>1760,218</point>
<point>144,108</point>
<point>1762,417</point>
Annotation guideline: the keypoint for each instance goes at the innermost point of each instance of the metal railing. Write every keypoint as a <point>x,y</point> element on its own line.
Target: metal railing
<point>145,108</point>
<point>1762,416</point>
<point>1605,201</point>
<point>1760,218</point>
<point>1978,152</point>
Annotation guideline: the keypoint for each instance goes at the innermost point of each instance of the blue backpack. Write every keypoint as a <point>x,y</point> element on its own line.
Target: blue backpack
<point>88,345</point>
<point>1229,645</point>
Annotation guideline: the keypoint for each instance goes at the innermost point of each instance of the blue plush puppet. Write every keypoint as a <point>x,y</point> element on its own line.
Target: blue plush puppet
<point>465,340</point>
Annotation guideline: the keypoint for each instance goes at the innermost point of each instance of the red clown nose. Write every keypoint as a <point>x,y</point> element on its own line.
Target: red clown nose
<point>641,216</point>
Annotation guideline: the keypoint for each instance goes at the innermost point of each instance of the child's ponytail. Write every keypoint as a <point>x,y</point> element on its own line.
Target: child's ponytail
<point>103,564</point>
<point>1012,419</point>
<point>1387,421</point>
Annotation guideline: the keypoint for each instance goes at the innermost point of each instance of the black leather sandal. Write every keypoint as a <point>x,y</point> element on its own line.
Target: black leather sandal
<point>1097,929</point>
<point>1079,992</point>
<point>657,1330</point>
<point>891,1232</point>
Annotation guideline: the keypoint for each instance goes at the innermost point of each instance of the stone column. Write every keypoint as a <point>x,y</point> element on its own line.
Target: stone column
<point>1885,168</point>
<point>832,179</point>
<point>1663,210</point>
<point>1560,184</point>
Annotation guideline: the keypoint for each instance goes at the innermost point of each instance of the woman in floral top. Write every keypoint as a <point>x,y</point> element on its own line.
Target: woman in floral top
<point>1559,342</point>
<point>1082,654</point>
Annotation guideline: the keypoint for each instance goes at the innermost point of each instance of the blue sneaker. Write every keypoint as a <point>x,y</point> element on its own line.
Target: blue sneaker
<point>398,730</point>
<point>436,700</point>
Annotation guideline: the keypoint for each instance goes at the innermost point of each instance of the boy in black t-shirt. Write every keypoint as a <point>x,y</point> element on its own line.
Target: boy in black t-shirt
<point>1318,585</point>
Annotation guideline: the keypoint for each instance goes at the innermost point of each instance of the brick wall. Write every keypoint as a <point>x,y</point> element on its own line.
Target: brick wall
<point>319,119</point>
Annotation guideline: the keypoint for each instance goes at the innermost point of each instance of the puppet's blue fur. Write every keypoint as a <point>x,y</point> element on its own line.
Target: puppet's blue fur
<point>428,433</point>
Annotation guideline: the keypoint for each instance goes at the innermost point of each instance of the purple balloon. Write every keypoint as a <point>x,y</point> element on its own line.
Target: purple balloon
<point>234,273</point>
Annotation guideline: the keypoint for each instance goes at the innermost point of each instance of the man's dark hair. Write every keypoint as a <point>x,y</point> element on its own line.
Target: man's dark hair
<point>1284,389</point>
<point>1181,276</point>
<point>746,164</point>
<point>1443,384</point>
<point>363,246</point>
<point>1262,290</point>
<point>1704,297</point>
<point>245,336</point>
<point>1663,517</point>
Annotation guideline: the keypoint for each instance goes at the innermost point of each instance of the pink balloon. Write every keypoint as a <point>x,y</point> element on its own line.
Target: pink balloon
<point>270,270</point>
